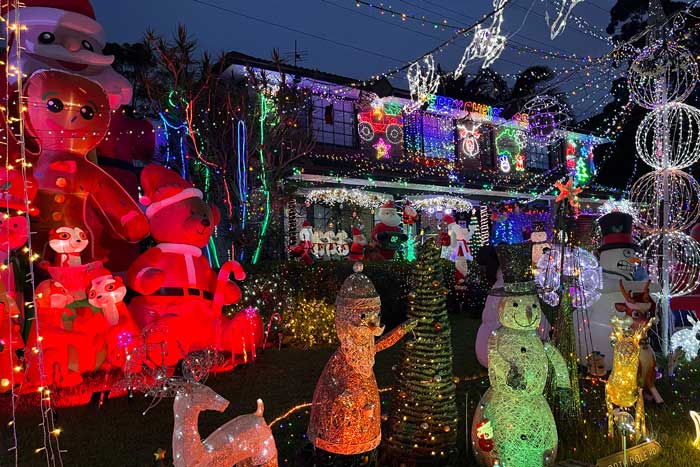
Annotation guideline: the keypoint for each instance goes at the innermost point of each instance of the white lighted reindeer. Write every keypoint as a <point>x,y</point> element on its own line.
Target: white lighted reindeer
<point>559,24</point>
<point>423,81</point>
<point>246,438</point>
<point>487,43</point>
<point>687,339</point>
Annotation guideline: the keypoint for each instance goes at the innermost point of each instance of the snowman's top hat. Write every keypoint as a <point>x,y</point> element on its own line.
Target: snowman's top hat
<point>616,228</point>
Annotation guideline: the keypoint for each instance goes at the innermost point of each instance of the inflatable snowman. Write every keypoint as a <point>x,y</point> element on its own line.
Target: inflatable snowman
<point>619,258</point>
<point>513,424</point>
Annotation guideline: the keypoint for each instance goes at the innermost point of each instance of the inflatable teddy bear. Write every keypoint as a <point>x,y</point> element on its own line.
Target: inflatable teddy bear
<point>68,115</point>
<point>176,283</point>
<point>514,408</point>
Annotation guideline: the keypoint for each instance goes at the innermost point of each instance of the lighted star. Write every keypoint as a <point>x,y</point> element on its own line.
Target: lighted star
<point>696,420</point>
<point>382,149</point>
<point>568,191</point>
<point>159,454</point>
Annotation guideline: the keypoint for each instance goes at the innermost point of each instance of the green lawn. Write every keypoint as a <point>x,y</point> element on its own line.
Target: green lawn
<point>119,435</point>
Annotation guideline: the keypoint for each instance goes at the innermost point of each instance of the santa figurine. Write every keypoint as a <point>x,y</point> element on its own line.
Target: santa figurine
<point>387,233</point>
<point>359,243</point>
<point>303,248</point>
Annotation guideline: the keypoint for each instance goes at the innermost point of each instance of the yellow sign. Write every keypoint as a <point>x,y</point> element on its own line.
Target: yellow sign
<point>636,455</point>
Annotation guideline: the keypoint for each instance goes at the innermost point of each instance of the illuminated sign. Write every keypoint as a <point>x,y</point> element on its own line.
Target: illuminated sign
<point>443,104</point>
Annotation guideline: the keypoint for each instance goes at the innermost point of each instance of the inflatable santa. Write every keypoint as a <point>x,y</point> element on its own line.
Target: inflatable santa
<point>619,258</point>
<point>64,35</point>
<point>387,233</point>
<point>302,249</point>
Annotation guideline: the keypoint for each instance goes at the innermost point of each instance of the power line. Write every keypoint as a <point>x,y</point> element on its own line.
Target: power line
<point>297,31</point>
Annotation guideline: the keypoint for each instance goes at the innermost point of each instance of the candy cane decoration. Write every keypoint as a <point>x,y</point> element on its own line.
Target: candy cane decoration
<point>227,268</point>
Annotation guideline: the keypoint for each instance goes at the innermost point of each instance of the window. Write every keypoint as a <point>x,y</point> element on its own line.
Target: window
<point>537,157</point>
<point>333,122</point>
<point>438,137</point>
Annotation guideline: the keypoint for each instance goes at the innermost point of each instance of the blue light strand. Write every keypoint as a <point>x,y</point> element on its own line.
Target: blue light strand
<point>242,170</point>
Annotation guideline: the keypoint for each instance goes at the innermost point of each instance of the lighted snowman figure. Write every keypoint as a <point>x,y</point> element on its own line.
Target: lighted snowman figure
<point>514,408</point>
<point>619,258</point>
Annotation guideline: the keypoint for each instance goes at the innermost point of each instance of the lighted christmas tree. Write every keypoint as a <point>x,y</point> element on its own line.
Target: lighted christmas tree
<point>292,217</point>
<point>475,240</point>
<point>423,422</point>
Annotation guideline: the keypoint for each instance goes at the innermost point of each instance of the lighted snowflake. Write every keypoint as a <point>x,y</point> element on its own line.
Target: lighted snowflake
<point>582,273</point>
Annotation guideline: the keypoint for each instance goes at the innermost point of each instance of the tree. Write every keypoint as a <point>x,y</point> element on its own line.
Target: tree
<point>423,422</point>
<point>208,114</point>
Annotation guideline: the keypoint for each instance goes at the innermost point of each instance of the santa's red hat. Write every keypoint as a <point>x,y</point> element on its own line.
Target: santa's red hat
<point>389,205</point>
<point>163,187</point>
<point>356,231</point>
<point>448,219</point>
<point>76,14</point>
<point>306,224</point>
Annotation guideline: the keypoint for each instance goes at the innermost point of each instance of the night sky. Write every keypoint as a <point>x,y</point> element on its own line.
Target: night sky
<point>385,41</point>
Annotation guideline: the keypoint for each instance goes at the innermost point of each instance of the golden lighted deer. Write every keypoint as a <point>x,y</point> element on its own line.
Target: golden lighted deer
<point>622,389</point>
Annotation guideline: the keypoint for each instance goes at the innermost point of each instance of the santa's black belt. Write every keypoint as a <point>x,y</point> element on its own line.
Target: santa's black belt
<point>179,292</point>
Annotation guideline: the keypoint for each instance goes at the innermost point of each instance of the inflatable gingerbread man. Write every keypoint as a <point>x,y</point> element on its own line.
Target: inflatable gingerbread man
<point>68,116</point>
<point>177,284</point>
<point>65,35</point>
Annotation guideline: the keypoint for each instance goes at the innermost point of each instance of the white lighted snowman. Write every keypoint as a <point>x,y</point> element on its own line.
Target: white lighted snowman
<point>514,412</point>
<point>619,258</point>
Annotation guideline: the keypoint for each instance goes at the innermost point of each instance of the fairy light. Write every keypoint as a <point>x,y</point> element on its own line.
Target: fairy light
<point>696,423</point>
<point>346,197</point>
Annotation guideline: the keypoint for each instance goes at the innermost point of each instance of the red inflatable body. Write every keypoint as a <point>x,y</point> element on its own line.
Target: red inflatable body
<point>175,280</point>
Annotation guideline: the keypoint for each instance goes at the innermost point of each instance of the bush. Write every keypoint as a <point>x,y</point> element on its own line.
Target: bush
<point>309,323</point>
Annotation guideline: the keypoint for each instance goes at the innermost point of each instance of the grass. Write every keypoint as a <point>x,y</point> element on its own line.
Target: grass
<point>119,435</point>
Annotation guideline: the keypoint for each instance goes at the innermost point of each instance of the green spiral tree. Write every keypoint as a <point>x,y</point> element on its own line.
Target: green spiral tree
<point>423,420</point>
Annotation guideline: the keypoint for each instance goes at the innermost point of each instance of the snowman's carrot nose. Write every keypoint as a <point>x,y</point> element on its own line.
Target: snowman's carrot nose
<point>528,312</point>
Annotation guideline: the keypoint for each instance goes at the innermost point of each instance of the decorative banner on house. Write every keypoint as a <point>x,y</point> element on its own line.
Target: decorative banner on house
<point>511,143</point>
<point>637,455</point>
<point>380,128</point>
<point>579,157</point>
<point>473,140</point>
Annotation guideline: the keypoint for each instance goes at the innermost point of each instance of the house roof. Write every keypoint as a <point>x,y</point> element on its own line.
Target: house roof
<point>381,87</point>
